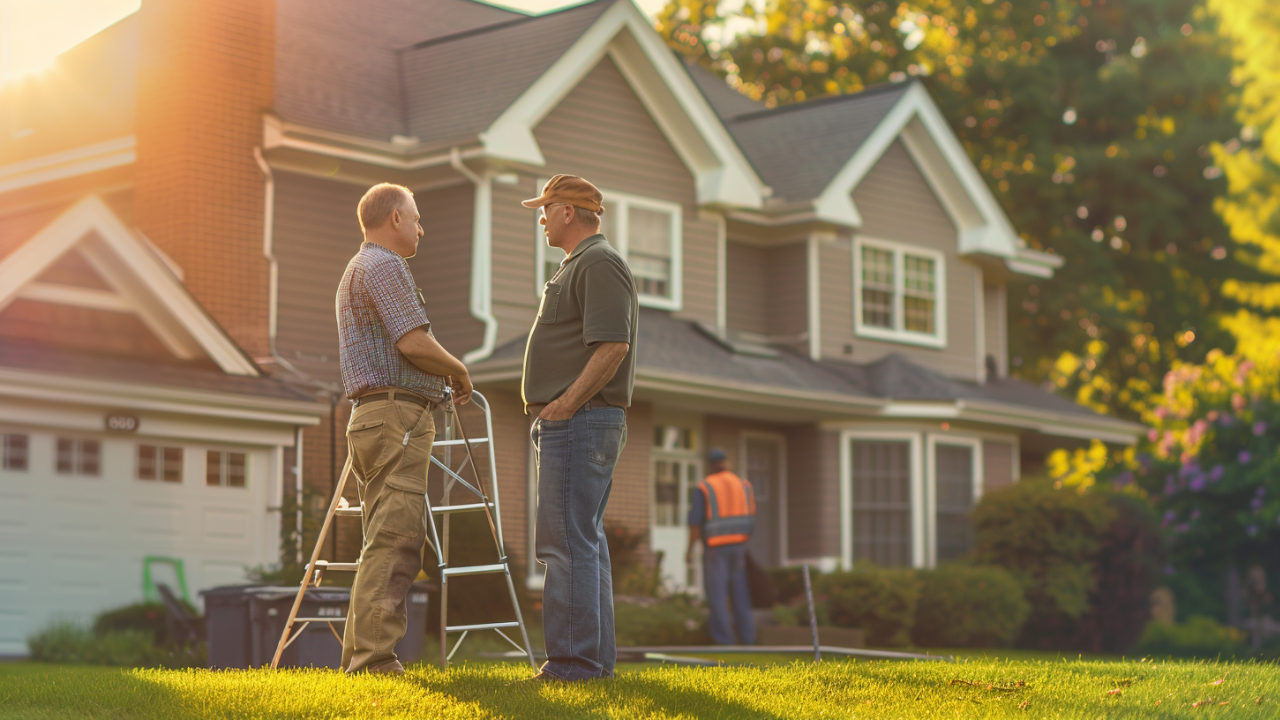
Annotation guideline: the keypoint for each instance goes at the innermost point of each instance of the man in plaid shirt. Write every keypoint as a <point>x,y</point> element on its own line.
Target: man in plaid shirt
<point>395,373</point>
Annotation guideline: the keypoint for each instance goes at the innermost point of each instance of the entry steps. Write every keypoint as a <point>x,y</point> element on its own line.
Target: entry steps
<point>438,540</point>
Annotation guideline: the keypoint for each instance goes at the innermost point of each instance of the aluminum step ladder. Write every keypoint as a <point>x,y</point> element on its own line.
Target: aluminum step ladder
<point>437,539</point>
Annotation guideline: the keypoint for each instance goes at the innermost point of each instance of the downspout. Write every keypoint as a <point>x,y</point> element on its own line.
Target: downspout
<point>481,257</point>
<point>297,489</point>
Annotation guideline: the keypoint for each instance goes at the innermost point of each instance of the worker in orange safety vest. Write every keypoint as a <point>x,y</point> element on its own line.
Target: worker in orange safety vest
<point>722,515</point>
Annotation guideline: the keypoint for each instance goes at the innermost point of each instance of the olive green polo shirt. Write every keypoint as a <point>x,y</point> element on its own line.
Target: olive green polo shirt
<point>591,299</point>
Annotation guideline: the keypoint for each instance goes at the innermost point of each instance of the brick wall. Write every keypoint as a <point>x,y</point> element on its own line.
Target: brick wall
<point>205,79</point>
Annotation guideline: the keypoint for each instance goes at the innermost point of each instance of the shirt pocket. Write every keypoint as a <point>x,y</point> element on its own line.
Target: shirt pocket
<point>550,304</point>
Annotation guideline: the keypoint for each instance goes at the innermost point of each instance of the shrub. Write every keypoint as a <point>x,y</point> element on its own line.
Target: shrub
<point>71,643</point>
<point>1198,637</point>
<point>968,606</point>
<point>881,602</point>
<point>673,620</point>
<point>630,574</point>
<point>149,618</point>
<point>788,583</point>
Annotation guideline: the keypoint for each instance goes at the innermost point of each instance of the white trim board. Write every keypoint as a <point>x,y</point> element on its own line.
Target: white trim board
<point>781,528</point>
<point>68,163</point>
<point>917,514</point>
<point>141,278</point>
<point>932,441</point>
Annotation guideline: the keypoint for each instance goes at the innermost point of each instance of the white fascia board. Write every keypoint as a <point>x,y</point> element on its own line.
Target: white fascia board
<point>279,134</point>
<point>31,385</point>
<point>68,163</point>
<point>721,172</point>
<point>163,293</point>
<point>716,388</point>
<point>1035,263</point>
<point>1111,430</point>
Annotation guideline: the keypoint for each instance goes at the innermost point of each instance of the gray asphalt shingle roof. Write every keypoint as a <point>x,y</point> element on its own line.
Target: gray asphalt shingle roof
<point>798,149</point>
<point>456,85</point>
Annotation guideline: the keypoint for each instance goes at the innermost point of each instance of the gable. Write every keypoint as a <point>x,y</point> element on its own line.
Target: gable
<point>897,203</point>
<point>602,131</point>
<point>85,281</point>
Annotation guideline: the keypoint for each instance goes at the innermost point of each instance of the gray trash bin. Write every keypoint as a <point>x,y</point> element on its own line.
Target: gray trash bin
<point>245,622</point>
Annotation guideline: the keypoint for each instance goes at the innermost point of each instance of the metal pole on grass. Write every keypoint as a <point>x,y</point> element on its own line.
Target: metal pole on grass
<point>813,619</point>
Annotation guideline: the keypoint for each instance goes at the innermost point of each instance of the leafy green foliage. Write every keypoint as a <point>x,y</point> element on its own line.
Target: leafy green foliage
<point>149,618</point>
<point>1198,637</point>
<point>968,606</point>
<point>879,601</point>
<point>71,643</point>
<point>673,620</point>
<point>1092,122</point>
<point>1047,537</point>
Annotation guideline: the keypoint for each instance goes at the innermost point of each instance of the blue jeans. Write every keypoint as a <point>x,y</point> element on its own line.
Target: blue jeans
<point>575,474</point>
<point>724,572</point>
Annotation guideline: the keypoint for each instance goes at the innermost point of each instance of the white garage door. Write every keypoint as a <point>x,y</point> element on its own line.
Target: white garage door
<point>80,512</point>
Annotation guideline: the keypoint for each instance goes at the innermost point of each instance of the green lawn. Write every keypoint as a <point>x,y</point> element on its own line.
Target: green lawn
<point>967,688</point>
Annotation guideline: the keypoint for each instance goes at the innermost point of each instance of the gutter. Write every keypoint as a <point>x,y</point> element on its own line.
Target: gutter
<point>481,257</point>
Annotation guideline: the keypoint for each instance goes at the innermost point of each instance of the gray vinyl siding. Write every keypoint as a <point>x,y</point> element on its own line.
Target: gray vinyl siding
<point>997,465</point>
<point>515,298</point>
<point>813,493</point>
<point>746,285</point>
<point>316,233</point>
<point>602,132</point>
<point>788,311</point>
<point>897,205</point>
<point>765,288</point>
<point>995,323</point>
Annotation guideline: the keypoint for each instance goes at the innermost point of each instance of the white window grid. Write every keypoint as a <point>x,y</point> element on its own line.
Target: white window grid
<point>903,293</point>
<point>645,262</point>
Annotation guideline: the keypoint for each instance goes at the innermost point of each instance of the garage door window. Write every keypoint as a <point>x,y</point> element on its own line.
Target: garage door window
<point>225,469</point>
<point>160,463</point>
<point>79,457</point>
<point>15,452</point>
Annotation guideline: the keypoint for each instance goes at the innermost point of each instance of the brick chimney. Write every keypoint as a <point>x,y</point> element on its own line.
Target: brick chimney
<point>205,71</point>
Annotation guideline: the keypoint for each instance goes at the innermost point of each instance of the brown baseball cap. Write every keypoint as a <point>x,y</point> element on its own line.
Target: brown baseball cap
<point>569,189</point>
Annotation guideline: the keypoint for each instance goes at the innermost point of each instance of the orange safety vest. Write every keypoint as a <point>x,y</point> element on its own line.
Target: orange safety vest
<point>731,509</point>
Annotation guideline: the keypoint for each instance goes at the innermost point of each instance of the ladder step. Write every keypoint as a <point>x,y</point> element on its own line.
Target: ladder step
<point>460,508</point>
<point>482,626</point>
<point>319,619</point>
<point>475,570</point>
<point>453,443</point>
<point>353,511</point>
<point>337,566</point>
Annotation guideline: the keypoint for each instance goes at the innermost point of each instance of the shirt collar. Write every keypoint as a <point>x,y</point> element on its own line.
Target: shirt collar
<point>375,247</point>
<point>582,246</point>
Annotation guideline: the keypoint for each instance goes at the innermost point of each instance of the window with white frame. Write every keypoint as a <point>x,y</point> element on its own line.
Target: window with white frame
<point>647,232</point>
<point>899,292</point>
<point>16,448</point>
<point>226,469</point>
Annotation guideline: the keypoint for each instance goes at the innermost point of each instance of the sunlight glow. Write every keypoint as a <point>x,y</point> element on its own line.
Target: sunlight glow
<point>34,32</point>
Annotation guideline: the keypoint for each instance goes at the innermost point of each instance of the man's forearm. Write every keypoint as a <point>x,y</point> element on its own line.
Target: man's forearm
<point>599,371</point>
<point>422,349</point>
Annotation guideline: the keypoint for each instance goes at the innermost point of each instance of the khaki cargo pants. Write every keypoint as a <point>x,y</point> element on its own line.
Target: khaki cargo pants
<point>390,445</point>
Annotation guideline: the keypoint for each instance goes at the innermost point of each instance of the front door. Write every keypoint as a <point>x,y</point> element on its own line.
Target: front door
<point>673,478</point>
<point>763,467</point>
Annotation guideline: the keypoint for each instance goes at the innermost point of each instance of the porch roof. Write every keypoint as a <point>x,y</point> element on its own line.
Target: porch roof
<point>680,351</point>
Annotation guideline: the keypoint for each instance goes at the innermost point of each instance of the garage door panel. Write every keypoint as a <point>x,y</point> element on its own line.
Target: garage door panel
<point>226,525</point>
<point>81,574</point>
<point>14,626</point>
<point>80,516</point>
<point>158,519</point>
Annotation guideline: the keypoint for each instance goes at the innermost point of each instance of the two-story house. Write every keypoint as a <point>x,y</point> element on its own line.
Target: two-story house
<point>823,285</point>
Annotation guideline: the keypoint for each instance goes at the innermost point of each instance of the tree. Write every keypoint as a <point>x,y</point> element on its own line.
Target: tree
<point>1091,120</point>
<point>1251,162</point>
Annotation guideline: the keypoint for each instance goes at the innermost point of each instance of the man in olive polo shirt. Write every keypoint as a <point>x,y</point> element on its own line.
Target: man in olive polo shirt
<point>579,369</point>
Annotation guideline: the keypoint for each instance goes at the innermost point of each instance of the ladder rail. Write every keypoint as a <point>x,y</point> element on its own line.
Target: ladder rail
<point>311,566</point>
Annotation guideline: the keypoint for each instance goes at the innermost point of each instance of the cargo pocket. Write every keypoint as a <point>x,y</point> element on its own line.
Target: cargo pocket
<point>414,447</point>
<point>403,514</point>
<point>550,304</point>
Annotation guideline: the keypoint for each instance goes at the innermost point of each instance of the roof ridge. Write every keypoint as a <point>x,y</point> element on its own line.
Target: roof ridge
<point>825,100</point>
<point>495,26</point>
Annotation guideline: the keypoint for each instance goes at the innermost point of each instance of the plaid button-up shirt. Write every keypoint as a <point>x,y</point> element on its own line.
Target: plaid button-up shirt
<point>377,304</point>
